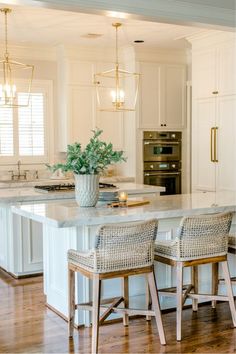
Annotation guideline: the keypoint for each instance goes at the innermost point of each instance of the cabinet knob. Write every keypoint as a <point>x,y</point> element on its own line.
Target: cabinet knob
<point>161,125</point>
<point>164,125</point>
<point>215,92</point>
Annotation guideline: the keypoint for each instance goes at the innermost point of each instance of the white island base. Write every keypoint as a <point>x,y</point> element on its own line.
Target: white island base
<point>67,226</point>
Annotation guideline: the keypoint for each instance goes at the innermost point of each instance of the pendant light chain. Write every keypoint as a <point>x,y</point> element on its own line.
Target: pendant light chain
<point>6,34</point>
<point>6,11</point>
<point>116,45</point>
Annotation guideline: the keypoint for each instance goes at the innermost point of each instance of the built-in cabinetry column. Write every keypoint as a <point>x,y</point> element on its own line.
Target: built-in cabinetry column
<point>214,109</point>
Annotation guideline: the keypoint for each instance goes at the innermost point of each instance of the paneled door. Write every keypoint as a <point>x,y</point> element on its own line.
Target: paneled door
<point>226,143</point>
<point>203,167</point>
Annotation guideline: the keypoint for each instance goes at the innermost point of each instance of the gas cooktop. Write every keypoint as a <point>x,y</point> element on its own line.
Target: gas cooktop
<point>67,187</point>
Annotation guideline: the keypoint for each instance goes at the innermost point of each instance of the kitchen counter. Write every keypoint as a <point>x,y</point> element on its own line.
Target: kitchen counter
<point>14,195</point>
<point>68,213</point>
<point>67,226</point>
<point>21,250</point>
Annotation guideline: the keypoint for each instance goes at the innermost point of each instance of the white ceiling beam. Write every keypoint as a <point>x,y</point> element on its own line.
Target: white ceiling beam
<point>209,14</point>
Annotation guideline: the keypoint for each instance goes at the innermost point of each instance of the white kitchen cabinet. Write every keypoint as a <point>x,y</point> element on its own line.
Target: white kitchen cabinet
<point>203,169</point>
<point>213,116</point>
<point>214,132</point>
<point>162,97</point>
<point>226,143</point>
<point>21,244</point>
<point>214,70</point>
<point>79,112</point>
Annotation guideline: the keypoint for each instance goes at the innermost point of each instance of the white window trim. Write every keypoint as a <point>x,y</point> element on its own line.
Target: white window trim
<point>47,87</point>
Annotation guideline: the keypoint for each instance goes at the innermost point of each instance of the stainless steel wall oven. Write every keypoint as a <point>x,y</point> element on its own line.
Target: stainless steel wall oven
<point>162,160</point>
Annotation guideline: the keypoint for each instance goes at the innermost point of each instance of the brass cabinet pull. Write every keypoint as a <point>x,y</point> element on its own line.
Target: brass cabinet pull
<point>215,144</point>
<point>212,159</point>
<point>215,92</point>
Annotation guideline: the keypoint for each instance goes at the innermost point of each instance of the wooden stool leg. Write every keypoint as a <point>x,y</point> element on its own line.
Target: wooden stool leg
<point>194,274</point>
<point>96,307</point>
<point>215,280</point>
<point>229,291</point>
<point>148,299</point>
<point>179,295</point>
<point>156,306</point>
<point>125,281</point>
<point>71,302</point>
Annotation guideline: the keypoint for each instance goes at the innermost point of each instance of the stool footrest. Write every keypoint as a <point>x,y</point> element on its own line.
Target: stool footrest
<point>102,302</point>
<point>208,297</point>
<point>113,308</point>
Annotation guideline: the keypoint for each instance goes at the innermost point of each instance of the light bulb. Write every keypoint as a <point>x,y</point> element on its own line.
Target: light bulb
<point>118,97</point>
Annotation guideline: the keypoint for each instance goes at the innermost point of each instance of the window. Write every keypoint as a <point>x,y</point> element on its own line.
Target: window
<point>24,130</point>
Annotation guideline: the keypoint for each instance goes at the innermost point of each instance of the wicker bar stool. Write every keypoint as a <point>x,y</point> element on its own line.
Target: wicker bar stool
<point>201,240</point>
<point>120,251</point>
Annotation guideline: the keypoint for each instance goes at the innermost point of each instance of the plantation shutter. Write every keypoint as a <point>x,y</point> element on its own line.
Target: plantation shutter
<point>31,125</point>
<point>6,132</point>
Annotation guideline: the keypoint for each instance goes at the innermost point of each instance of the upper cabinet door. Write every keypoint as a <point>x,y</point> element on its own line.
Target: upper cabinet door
<point>150,95</point>
<point>162,97</point>
<point>227,69</point>
<point>204,73</point>
<point>174,96</point>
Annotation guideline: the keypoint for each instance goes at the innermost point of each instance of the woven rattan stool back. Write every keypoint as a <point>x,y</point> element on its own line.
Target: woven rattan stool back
<point>204,236</point>
<point>125,246</point>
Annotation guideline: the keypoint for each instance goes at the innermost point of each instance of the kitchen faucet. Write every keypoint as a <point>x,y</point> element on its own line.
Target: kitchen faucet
<point>19,174</point>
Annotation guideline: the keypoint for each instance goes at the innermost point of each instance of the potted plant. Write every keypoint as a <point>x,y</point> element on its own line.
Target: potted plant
<point>87,164</point>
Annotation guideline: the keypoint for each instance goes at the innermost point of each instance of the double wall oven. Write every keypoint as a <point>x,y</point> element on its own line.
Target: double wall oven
<point>162,160</point>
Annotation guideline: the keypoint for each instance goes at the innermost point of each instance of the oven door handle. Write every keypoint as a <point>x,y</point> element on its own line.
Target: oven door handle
<point>146,174</point>
<point>161,143</point>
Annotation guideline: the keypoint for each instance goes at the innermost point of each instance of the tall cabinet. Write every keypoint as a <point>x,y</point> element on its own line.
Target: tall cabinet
<point>214,113</point>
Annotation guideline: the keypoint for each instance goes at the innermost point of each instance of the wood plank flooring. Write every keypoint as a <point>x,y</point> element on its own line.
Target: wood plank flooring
<point>27,326</point>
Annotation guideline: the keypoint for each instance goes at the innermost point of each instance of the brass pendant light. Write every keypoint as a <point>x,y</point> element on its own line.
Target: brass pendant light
<point>10,71</point>
<point>110,86</point>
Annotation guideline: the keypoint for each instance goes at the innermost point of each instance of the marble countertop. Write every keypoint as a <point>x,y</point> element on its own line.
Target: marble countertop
<point>14,195</point>
<point>68,213</point>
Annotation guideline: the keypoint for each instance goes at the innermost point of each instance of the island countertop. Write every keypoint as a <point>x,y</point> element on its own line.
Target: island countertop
<point>66,213</point>
<point>14,195</point>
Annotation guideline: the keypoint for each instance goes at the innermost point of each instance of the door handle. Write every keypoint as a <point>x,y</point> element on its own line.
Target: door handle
<point>212,132</point>
<point>215,144</point>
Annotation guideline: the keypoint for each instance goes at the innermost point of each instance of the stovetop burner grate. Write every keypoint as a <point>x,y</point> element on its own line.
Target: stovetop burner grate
<point>68,187</point>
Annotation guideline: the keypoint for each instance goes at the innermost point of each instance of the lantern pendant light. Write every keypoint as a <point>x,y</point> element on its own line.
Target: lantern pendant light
<point>111,95</point>
<point>10,71</point>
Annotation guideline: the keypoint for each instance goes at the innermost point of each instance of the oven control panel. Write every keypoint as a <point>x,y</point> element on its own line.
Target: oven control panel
<point>162,166</point>
<point>172,136</point>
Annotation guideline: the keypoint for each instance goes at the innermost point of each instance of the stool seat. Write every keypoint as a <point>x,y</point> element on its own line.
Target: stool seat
<point>120,251</point>
<point>100,262</point>
<point>166,248</point>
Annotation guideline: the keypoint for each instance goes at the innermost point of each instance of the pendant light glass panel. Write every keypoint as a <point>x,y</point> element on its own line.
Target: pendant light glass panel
<point>116,89</point>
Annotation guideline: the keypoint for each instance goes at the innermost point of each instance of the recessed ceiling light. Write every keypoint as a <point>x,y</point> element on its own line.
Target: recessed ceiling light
<point>92,35</point>
<point>138,41</point>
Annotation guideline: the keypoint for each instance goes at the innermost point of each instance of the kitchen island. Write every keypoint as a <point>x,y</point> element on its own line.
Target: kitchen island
<point>66,226</point>
<point>21,243</point>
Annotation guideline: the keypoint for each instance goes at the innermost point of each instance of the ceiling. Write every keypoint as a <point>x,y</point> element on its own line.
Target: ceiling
<point>46,27</point>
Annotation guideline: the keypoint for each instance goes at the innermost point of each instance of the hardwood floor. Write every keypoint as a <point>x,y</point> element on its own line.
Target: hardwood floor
<point>27,326</point>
